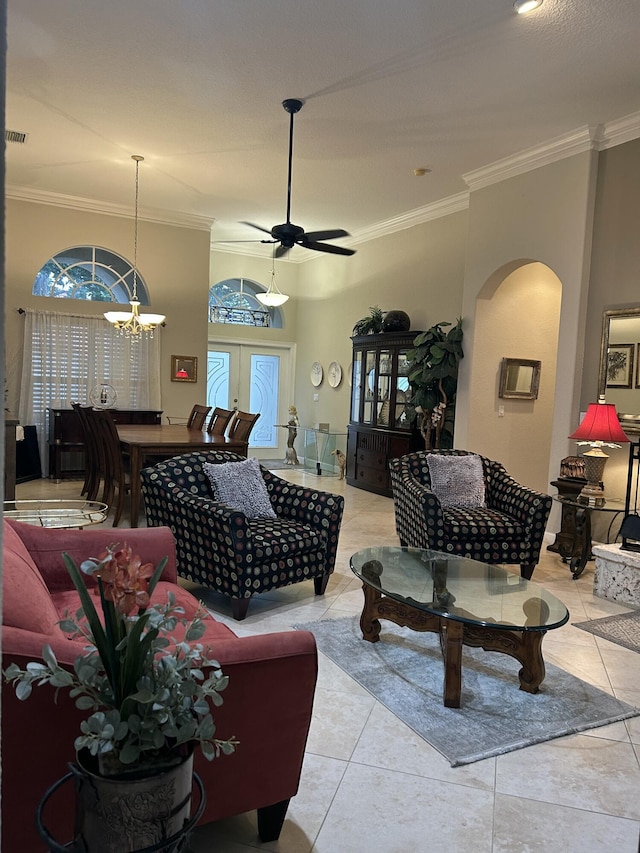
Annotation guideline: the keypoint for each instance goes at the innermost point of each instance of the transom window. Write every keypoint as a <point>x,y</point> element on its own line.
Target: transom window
<point>234,301</point>
<point>90,273</point>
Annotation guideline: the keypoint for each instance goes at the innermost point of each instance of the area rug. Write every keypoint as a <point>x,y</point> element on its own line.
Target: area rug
<point>623,629</point>
<point>404,671</point>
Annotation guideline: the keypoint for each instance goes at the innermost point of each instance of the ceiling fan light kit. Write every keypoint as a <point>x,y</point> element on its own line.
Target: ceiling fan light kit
<point>288,234</point>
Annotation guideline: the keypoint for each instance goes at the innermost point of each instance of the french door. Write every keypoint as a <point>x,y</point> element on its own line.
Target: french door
<point>253,379</point>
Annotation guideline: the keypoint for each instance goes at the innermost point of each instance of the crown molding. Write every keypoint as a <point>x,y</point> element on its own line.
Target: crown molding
<point>576,142</point>
<point>619,131</point>
<point>595,138</point>
<point>162,217</point>
<point>435,210</point>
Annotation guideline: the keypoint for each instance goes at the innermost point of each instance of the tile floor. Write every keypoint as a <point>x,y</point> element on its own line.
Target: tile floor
<point>369,784</point>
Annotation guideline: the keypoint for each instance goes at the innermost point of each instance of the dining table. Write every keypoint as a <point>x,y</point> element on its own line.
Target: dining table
<point>144,444</point>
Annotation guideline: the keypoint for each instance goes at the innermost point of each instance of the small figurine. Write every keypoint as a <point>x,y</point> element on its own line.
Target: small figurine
<point>342,461</point>
<point>292,457</point>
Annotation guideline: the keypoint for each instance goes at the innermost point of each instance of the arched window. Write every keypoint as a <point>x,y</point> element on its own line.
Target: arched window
<point>234,301</point>
<point>87,272</point>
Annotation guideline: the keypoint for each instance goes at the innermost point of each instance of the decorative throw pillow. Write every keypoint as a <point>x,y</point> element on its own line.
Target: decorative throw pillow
<point>240,486</point>
<point>457,480</point>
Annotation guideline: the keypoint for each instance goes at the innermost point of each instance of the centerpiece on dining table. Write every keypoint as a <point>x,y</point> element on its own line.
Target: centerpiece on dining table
<point>146,683</point>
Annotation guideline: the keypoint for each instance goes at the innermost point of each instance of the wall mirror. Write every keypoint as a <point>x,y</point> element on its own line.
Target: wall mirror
<point>619,375</point>
<point>519,378</point>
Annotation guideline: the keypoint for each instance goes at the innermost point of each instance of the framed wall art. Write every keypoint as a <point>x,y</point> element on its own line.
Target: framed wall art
<point>620,365</point>
<point>184,368</point>
<point>519,378</point>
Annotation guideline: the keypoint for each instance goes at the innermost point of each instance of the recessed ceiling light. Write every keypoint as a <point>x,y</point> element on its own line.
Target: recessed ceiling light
<point>524,6</point>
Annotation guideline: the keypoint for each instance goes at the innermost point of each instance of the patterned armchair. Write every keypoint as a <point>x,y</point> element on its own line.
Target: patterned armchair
<point>221,548</point>
<point>509,529</point>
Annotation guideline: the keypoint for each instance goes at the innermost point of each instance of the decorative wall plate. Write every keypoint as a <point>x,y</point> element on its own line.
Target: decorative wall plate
<point>316,373</point>
<point>334,374</point>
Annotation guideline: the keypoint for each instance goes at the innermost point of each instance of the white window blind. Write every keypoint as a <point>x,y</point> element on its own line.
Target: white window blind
<point>66,356</point>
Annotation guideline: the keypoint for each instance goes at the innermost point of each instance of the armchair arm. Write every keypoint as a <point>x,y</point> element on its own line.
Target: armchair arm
<point>322,510</point>
<point>506,495</point>
<point>267,706</point>
<point>213,542</point>
<point>418,512</point>
<point>46,547</point>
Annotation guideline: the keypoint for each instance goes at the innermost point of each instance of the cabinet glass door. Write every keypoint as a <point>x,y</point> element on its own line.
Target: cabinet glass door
<point>356,386</point>
<point>403,392</point>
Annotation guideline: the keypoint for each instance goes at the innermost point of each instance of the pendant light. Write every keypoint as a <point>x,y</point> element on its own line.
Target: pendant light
<point>273,297</point>
<point>131,324</point>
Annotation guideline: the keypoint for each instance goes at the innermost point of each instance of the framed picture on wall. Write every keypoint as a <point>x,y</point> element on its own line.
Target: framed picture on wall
<point>620,365</point>
<point>184,368</point>
<point>637,382</point>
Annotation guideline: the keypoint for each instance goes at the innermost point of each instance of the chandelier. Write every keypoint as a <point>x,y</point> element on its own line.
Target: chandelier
<point>273,297</point>
<point>132,324</point>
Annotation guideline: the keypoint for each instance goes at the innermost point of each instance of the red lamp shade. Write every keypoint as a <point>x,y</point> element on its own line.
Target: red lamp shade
<point>182,374</point>
<point>600,424</point>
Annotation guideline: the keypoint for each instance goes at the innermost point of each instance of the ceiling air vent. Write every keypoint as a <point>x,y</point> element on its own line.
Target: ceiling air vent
<point>15,136</point>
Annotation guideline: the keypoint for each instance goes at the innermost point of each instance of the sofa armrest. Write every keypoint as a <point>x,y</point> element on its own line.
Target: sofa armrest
<point>46,547</point>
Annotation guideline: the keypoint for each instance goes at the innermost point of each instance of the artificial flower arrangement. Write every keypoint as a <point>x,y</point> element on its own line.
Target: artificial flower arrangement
<point>147,692</point>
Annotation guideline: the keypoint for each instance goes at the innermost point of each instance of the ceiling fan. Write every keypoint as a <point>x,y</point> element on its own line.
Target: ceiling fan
<point>288,234</point>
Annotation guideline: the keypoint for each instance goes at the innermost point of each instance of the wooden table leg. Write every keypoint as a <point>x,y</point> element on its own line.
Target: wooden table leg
<point>451,634</point>
<point>532,673</point>
<point>369,625</point>
<point>134,487</point>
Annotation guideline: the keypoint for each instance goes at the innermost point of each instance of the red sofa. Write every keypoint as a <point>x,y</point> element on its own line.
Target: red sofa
<point>267,705</point>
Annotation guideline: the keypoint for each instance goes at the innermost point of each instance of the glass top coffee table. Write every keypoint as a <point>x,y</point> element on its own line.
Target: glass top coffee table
<point>466,602</point>
<point>56,513</point>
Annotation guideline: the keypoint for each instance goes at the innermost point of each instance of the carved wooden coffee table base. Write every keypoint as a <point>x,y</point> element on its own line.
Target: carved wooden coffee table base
<point>524,646</point>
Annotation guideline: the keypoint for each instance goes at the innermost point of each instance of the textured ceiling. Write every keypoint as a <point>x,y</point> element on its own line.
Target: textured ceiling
<point>196,86</point>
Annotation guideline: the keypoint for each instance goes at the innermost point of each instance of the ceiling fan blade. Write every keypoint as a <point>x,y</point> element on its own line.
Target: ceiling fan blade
<point>327,247</point>
<point>327,235</point>
<point>259,227</point>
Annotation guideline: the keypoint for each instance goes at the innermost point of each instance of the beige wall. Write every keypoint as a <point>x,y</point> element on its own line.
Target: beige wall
<point>419,271</point>
<point>173,261</point>
<point>543,216</point>
<point>519,320</point>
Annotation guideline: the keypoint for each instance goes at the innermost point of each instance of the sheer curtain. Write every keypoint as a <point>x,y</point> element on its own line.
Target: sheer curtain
<point>65,356</point>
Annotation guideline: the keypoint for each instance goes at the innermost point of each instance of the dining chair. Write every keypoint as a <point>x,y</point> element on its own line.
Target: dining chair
<point>116,473</point>
<point>92,470</point>
<point>195,420</point>
<point>241,426</point>
<point>219,421</point>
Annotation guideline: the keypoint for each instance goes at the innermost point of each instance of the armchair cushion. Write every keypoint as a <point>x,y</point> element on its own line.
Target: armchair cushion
<point>457,480</point>
<point>240,486</point>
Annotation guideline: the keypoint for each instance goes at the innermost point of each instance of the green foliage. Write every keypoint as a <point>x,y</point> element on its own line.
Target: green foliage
<point>371,325</point>
<point>433,377</point>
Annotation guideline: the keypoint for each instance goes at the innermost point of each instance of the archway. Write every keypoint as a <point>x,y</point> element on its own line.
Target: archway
<point>517,316</point>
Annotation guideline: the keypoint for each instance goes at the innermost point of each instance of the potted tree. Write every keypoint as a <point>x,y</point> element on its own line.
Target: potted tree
<point>433,379</point>
<point>146,684</point>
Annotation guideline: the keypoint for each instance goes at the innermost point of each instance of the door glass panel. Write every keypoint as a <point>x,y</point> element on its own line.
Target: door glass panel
<point>218,364</point>
<point>263,398</point>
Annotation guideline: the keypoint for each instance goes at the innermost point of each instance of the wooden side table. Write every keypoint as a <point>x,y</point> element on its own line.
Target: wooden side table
<point>568,487</point>
<point>578,552</point>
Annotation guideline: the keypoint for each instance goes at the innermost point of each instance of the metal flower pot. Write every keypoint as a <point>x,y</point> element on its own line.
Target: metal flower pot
<point>130,815</point>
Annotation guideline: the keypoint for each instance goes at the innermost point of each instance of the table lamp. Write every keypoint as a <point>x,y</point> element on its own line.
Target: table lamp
<point>600,428</point>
